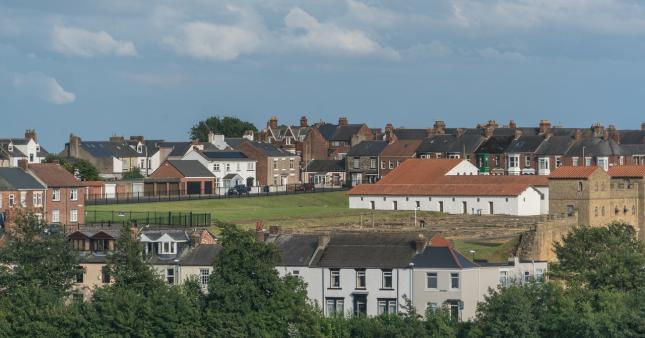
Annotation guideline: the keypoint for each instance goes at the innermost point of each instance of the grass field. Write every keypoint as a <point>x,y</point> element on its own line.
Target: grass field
<point>319,211</point>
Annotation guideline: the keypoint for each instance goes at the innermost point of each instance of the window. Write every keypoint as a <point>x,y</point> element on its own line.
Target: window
<point>543,163</point>
<point>73,194</point>
<point>574,161</point>
<point>539,274</point>
<point>360,304</point>
<point>387,279</point>
<point>216,167</point>
<point>621,160</point>
<point>558,161</point>
<point>237,167</point>
<point>454,280</point>
<point>78,244</point>
<point>275,164</point>
<point>228,167</point>
<point>440,206</point>
<point>335,306</point>
<point>139,148</point>
<point>168,247</point>
<point>334,278</point>
<point>580,186</point>
<point>204,276</point>
<point>55,216</point>
<point>390,164</point>
<point>101,245</point>
<point>527,160</point>
<point>356,163</point>
<point>149,164</point>
<point>360,279</point>
<point>432,306</point>
<point>418,204</point>
<point>37,198</point>
<point>170,275</point>
<point>372,163</point>
<point>79,276</point>
<point>142,164</point>
<point>291,164</point>
<point>73,215</point>
<point>23,199</point>
<point>382,164</point>
<point>31,158</point>
<point>55,195</point>
<point>386,306</point>
<point>587,161</point>
<point>431,280</point>
<point>513,161</point>
<point>504,279</point>
<point>249,166</point>
<point>395,205</point>
<point>105,275</point>
<point>453,307</point>
<point>372,205</point>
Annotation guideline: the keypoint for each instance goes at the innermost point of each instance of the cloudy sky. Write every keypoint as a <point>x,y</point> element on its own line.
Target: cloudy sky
<point>156,67</point>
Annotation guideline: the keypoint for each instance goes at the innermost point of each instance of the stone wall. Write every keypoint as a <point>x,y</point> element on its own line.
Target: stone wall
<point>538,243</point>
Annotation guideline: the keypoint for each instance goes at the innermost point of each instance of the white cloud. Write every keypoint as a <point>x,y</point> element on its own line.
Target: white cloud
<point>371,15</point>
<point>43,86</point>
<point>81,42</point>
<point>204,40</point>
<point>307,32</point>
<point>492,53</point>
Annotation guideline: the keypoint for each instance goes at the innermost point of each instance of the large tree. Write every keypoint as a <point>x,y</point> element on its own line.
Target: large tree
<point>228,126</point>
<point>82,169</point>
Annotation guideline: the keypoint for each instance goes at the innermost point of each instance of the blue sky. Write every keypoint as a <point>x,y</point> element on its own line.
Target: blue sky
<point>154,68</point>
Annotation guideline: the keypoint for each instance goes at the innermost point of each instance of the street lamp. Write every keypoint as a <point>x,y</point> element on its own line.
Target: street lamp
<point>473,253</point>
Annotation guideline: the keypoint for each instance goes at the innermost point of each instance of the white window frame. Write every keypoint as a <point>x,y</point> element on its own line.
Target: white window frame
<point>513,161</point>
<point>386,306</point>
<point>527,161</point>
<point>558,161</point>
<point>455,276</point>
<point>387,274</point>
<point>170,273</point>
<point>587,161</point>
<point>216,167</point>
<point>73,215</point>
<point>23,199</point>
<point>55,216</point>
<point>356,163</point>
<point>73,194</point>
<point>56,195</point>
<point>334,278</point>
<point>12,200</point>
<point>543,163</point>
<point>204,276</point>
<point>228,167</point>
<point>432,275</point>
<point>373,163</point>
<point>361,275</point>
<point>575,161</point>
<point>335,306</point>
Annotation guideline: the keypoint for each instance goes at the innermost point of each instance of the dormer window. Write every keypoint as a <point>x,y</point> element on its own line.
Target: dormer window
<point>37,148</point>
<point>168,248</point>
<point>139,148</point>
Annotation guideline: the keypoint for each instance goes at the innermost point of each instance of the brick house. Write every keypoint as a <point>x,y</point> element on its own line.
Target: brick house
<point>274,166</point>
<point>327,141</point>
<point>396,153</point>
<point>287,137</point>
<point>65,196</point>
<point>19,191</point>
<point>111,158</point>
<point>183,177</point>
<point>362,162</point>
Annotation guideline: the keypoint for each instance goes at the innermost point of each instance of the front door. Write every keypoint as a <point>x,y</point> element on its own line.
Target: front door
<point>360,304</point>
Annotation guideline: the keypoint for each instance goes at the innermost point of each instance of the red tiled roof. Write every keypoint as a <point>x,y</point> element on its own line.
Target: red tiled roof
<point>627,171</point>
<point>401,148</point>
<point>510,189</point>
<point>419,171</point>
<point>439,241</point>
<point>54,175</point>
<point>573,172</point>
<point>535,180</point>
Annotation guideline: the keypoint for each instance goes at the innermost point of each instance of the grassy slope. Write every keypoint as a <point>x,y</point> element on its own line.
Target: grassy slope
<point>496,252</point>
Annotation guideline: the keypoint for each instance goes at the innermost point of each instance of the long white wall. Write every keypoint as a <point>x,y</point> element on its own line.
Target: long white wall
<point>527,203</point>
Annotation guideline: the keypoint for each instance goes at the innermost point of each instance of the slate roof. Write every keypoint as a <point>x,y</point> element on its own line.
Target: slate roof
<point>437,144</point>
<point>506,131</point>
<point>54,175</point>
<point>333,132</point>
<point>495,145</point>
<point>269,149</point>
<point>295,249</point>
<point>555,145</point>
<point>177,235</point>
<point>17,179</point>
<point>325,166</point>
<point>466,143</point>
<point>14,153</point>
<point>368,148</point>
<point>594,147</point>
<point>441,255</point>
<point>201,255</point>
<point>225,155</point>
<point>410,134</point>
<point>524,144</point>
<point>632,136</point>
<point>231,176</point>
<point>191,168</point>
<point>632,149</point>
<point>402,148</point>
<point>108,149</point>
<point>367,250</point>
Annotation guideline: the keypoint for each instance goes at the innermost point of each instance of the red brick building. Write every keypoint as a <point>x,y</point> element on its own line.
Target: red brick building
<point>180,177</point>
<point>19,191</point>
<point>65,196</point>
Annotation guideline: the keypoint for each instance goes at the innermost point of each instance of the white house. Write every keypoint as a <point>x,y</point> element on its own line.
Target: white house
<point>230,167</point>
<point>452,186</point>
<point>27,148</point>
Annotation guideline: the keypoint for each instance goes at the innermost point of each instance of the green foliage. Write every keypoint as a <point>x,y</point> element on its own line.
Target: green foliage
<point>246,295</point>
<point>228,126</point>
<point>39,260</point>
<point>134,174</point>
<point>82,169</point>
<point>601,258</point>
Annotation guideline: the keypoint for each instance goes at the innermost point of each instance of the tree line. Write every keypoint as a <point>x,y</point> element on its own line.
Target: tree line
<point>593,291</point>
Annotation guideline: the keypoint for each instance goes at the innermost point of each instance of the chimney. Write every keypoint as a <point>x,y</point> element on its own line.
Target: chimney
<point>323,240</point>
<point>195,239</point>
<point>643,126</point>
<point>544,126</point>
<point>439,127</point>
<point>389,132</point>
<point>605,135</point>
<point>511,124</point>
<point>136,138</point>
<point>248,135</point>
<point>273,122</point>
<point>303,122</point>
<point>518,133</point>
<point>598,129</point>
<point>420,244</point>
<point>23,164</point>
<point>274,230</point>
<point>259,231</point>
<point>460,131</point>
<point>74,146</point>
<point>488,131</point>
<point>342,121</point>
<point>117,139</point>
<point>578,135</point>
<point>215,139</point>
<point>492,123</point>
<point>613,133</point>
<point>194,142</point>
<point>30,134</point>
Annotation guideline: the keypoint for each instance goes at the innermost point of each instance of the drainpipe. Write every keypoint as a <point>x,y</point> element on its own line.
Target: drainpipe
<point>411,281</point>
<point>322,285</point>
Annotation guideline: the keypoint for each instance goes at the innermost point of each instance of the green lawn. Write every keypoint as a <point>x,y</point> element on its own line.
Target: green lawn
<point>496,252</point>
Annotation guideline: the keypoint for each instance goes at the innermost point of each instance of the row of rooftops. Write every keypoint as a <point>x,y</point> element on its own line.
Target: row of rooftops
<point>36,176</point>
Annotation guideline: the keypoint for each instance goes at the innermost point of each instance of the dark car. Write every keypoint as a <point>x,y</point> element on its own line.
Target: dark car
<point>305,187</point>
<point>239,190</point>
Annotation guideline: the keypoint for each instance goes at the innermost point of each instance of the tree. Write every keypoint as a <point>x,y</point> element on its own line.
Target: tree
<point>133,174</point>
<point>228,126</point>
<point>247,297</point>
<point>601,258</point>
<point>33,257</point>
<point>82,169</point>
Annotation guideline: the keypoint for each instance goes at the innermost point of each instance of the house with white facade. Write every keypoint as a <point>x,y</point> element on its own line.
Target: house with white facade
<point>13,150</point>
<point>230,167</point>
<point>452,186</point>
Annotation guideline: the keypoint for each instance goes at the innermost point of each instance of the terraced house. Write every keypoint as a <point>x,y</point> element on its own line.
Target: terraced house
<point>13,150</point>
<point>19,191</point>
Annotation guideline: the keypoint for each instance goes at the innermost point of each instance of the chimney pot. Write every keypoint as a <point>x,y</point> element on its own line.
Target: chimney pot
<point>273,122</point>
<point>303,122</point>
<point>511,124</point>
<point>439,127</point>
<point>342,121</point>
<point>544,126</point>
<point>643,126</point>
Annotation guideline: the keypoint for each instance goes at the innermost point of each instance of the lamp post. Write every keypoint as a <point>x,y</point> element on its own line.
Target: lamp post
<point>473,253</point>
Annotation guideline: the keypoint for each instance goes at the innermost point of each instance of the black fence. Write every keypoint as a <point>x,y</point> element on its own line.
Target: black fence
<point>170,218</point>
<point>217,193</point>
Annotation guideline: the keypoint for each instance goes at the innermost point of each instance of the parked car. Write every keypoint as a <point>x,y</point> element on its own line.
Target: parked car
<point>239,190</point>
<point>305,187</point>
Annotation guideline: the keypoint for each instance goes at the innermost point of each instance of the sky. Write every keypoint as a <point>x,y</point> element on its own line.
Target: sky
<point>155,68</point>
